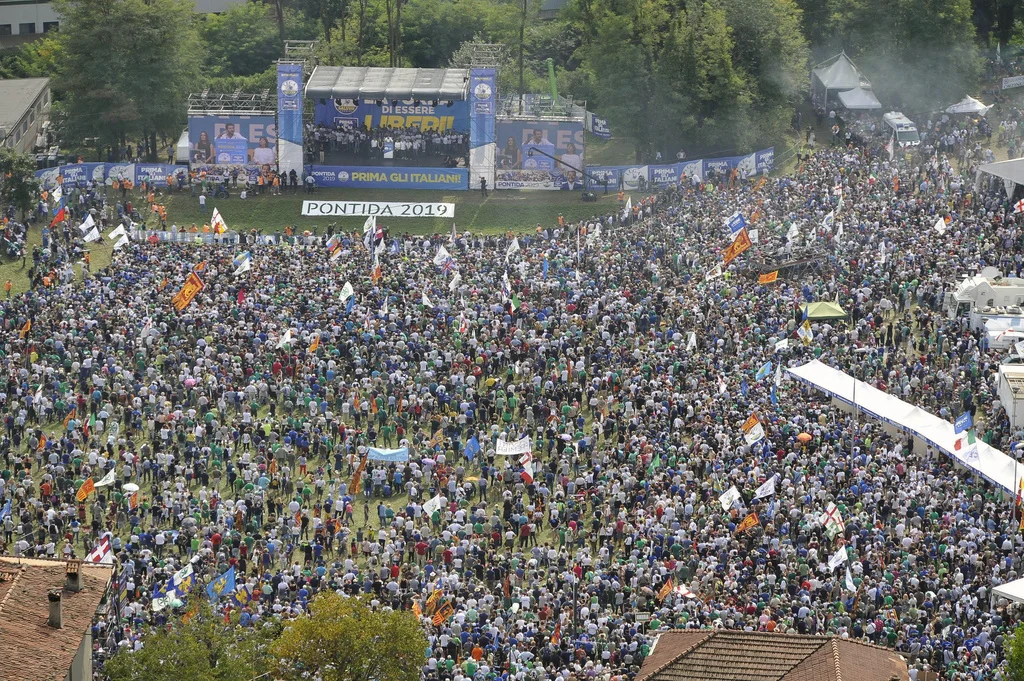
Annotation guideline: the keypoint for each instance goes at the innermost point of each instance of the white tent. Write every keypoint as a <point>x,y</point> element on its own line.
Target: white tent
<point>1011,172</point>
<point>839,74</point>
<point>926,428</point>
<point>968,105</point>
<point>1011,591</point>
<point>859,98</point>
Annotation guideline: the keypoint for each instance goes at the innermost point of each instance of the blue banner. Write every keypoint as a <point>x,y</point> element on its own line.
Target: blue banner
<point>158,172</point>
<point>483,94</point>
<point>598,127</point>
<point>362,177</point>
<point>374,454</point>
<point>78,174</point>
<point>539,155</point>
<point>765,160</point>
<point>663,176</point>
<point>963,423</point>
<point>425,115</point>
<point>627,178</point>
<point>289,117</point>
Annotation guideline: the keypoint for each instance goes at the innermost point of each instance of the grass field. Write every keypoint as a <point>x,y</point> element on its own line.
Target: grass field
<point>498,212</point>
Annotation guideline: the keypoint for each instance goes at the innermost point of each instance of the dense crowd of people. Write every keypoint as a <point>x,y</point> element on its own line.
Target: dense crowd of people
<point>246,420</point>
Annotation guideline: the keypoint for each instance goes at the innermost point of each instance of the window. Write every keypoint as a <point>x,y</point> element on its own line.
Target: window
<point>50,26</point>
<point>26,29</point>
<point>5,29</point>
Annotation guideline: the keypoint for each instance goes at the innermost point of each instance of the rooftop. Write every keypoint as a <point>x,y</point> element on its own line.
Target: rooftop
<point>16,96</point>
<point>44,653</point>
<point>725,655</point>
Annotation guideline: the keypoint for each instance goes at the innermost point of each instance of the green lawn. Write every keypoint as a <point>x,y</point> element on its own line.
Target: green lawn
<point>100,254</point>
<point>500,211</point>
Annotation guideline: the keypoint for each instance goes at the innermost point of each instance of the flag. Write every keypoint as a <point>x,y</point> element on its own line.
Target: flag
<point>87,487</point>
<point>57,194</point>
<point>556,635</point>
<point>513,247</point>
<point>93,235</point>
<point>763,372</point>
<point>59,217</point>
<point>768,278</point>
<point>240,258</point>
<point>889,147</point>
<point>285,339</point>
<point>117,233</point>
<point>805,333</point>
<point>748,523</point>
<point>472,448</point>
<point>729,497</point>
<point>223,584</point>
<point>829,221</point>
<point>432,601</point>
<point>434,504</point>
<point>102,553</point>
<point>966,447</point>
<point>774,396</point>
<point>544,268</point>
<point>416,609</point>
<point>443,614</point>
<point>346,291</point>
<point>838,558</point>
<point>506,286</point>
<point>514,304</point>
<point>740,244</point>
<point>349,305</point>
<point>425,300</point>
<point>849,580</point>
<point>133,501</point>
<point>42,443</point>
<point>241,596</point>
<point>200,267</point>
<point>109,479</point>
<point>245,265</point>
<point>442,256</point>
<point>454,236</point>
<point>736,223</point>
<point>357,476</point>
<point>778,375</point>
<point>665,589</point>
<point>87,224</point>
<point>940,224</point>
<point>454,283</point>
<point>714,273</point>
<point>833,520</point>
<point>629,205</point>
<point>191,288</point>
<point>767,489</point>
<point>121,243</point>
<point>744,388</point>
<point>691,341</point>
<point>753,431</point>
<point>25,329</point>
<point>217,222</point>
<point>315,345</point>
<point>527,461</point>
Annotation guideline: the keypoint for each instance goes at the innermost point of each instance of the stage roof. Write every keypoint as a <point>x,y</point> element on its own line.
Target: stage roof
<point>362,82</point>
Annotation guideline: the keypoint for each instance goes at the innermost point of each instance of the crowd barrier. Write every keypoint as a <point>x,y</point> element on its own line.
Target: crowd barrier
<point>630,178</point>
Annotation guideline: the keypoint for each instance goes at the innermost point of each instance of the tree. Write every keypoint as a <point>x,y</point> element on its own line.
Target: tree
<point>204,648</point>
<point>126,67</point>
<point>1014,648</point>
<point>241,41</point>
<point>343,639</point>
<point>18,184</point>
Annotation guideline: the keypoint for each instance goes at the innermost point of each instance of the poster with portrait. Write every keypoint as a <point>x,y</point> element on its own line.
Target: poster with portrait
<point>221,145</point>
<point>539,155</point>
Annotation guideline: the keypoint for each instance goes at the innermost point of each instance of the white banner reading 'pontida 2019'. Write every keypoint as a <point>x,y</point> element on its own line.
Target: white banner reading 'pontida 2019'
<point>378,208</point>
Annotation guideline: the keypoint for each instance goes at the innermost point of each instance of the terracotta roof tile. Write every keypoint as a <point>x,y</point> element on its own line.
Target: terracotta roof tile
<point>725,655</point>
<point>38,651</point>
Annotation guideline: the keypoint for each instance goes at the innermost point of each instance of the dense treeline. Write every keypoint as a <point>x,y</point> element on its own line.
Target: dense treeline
<point>703,75</point>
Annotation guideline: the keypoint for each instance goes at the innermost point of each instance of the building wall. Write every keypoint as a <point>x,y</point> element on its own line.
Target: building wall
<point>81,667</point>
<point>23,136</point>
<point>23,20</point>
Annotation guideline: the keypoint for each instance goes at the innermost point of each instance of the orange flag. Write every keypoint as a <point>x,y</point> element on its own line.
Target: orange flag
<point>315,345</point>
<point>25,329</point>
<point>768,278</point>
<point>87,487</point>
<point>738,246</point>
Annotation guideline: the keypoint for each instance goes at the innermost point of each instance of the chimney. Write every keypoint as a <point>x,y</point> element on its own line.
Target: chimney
<point>74,576</point>
<point>56,619</point>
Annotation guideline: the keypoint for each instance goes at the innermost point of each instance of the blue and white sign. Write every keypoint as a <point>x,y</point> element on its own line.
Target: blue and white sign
<point>362,177</point>
<point>374,454</point>
<point>963,423</point>
<point>598,127</point>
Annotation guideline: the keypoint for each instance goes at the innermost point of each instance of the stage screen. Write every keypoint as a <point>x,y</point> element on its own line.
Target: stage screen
<point>539,155</point>
<point>221,144</point>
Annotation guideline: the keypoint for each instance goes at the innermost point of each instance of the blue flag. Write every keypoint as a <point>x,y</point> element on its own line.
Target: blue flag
<point>775,398</point>
<point>963,423</point>
<point>545,267</point>
<point>224,584</point>
<point>744,388</point>
<point>349,304</point>
<point>764,371</point>
<point>472,448</point>
<point>242,596</point>
<point>6,510</point>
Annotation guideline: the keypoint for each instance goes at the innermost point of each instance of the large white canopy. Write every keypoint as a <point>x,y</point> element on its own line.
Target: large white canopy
<point>859,98</point>
<point>840,74</point>
<point>991,464</point>
<point>1012,591</point>
<point>968,105</point>
<point>1012,170</point>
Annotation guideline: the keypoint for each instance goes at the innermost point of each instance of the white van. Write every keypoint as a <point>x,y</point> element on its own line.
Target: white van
<point>902,128</point>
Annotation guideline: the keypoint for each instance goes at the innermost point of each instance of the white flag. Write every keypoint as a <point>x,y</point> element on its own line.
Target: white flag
<point>244,266</point>
<point>782,344</point>
<point>442,256</point>
<point>838,558</point>
<point>629,205</point>
<point>432,505</point>
<point>454,284</point>
<point>285,339</point>
<point>940,226</point>
<point>107,479</point>
<point>369,224</point>
<point>849,580</point>
<point>425,300</point>
<point>729,497</point>
<point>346,291</point>
<point>691,342</point>
<point>217,222</point>
<point>119,232</point>
<point>793,232</point>
<point>121,243</point>
<point>753,235</point>
<point>454,236</point>
<point>58,193</point>
<point>94,235</point>
<point>512,248</point>
<point>87,225</point>
<point>714,273</point>
<point>778,376</point>
<point>767,489</point>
